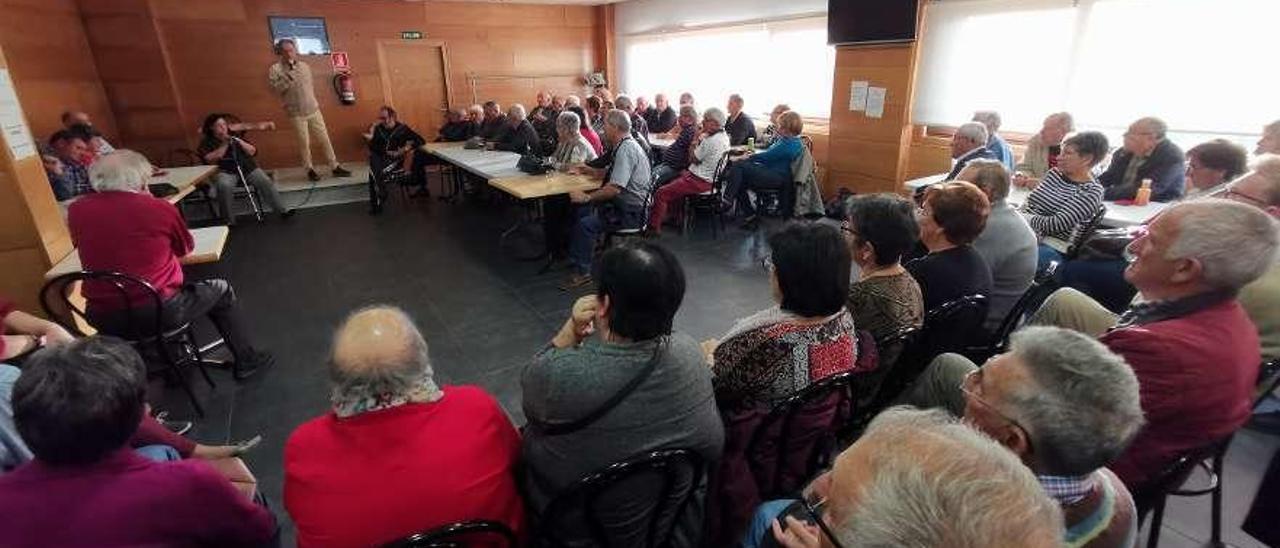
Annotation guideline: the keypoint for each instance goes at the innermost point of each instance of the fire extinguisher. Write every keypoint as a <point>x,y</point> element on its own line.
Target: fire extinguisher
<point>345,88</point>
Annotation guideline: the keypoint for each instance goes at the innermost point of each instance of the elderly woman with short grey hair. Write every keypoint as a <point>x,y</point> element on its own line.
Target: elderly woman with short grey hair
<point>122,228</point>
<point>708,148</point>
<point>1066,405</point>
<point>385,426</point>
<point>572,147</point>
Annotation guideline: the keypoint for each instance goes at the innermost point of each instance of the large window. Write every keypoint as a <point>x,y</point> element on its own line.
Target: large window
<point>767,63</point>
<point>1201,65</point>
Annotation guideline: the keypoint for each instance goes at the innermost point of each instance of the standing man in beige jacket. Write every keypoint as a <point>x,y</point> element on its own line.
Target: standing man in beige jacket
<point>291,79</point>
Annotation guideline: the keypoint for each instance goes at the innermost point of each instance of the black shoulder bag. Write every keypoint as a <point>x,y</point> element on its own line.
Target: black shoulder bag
<point>562,428</point>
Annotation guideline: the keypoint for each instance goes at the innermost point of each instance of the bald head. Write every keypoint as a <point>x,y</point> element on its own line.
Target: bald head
<point>378,352</point>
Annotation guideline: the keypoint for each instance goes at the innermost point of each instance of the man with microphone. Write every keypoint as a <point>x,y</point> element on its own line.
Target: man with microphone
<point>291,80</point>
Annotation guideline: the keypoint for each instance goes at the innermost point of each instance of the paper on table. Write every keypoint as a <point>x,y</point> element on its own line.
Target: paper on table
<point>875,102</point>
<point>12,123</point>
<point>858,95</point>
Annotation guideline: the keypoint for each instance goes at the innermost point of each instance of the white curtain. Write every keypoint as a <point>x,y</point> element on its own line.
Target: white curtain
<point>1204,66</point>
<point>767,63</point>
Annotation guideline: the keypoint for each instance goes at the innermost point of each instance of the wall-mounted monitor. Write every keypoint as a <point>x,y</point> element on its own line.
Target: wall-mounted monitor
<point>308,32</point>
<point>871,21</point>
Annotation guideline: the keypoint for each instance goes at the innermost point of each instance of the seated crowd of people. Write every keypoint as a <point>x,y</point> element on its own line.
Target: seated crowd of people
<point>1057,439</point>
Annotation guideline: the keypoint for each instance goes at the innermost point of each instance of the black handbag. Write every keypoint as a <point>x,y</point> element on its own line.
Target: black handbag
<point>533,164</point>
<point>1107,244</point>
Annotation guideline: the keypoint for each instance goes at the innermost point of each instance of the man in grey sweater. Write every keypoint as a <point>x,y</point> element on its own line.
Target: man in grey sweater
<point>1007,243</point>
<point>615,337</point>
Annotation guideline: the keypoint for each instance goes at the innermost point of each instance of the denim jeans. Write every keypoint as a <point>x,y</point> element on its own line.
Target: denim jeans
<point>1047,255</point>
<point>159,453</point>
<point>590,222</point>
<point>762,521</point>
<point>745,176</point>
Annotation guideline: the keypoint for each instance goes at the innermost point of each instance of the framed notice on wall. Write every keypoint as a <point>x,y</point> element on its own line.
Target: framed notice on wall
<point>309,33</point>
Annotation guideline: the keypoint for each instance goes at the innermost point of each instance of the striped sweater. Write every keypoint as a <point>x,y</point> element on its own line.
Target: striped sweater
<point>1058,205</point>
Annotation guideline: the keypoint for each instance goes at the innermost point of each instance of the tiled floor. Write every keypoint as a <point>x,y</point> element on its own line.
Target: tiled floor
<point>484,313</point>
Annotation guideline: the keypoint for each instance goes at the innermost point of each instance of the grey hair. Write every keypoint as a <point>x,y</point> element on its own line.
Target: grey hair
<point>974,131</point>
<point>622,102</point>
<point>717,114</point>
<point>1273,127</point>
<point>618,119</point>
<point>1158,126</point>
<point>518,112</point>
<point>120,171</point>
<point>991,176</point>
<point>1066,119</point>
<point>568,121</point>
<point>1234,243</point>
<point>1082,408</point>
<point>689,110</point>
<point>405,374</point>
<point>572,101</point>
<point>736,98</point>
<point>939,482</point>
<point>476,109</point>
<point>989,118</point>
<point>1267,166</point>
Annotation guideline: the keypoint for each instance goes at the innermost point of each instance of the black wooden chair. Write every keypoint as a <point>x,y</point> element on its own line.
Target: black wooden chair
<point>1041,287</point>
<point>141,311</point>
<point>1210,460</point>
<point>460,535</point>
<point>949,328</point>
<point>710,201</point>
<point>637,230</point>
<point>1084,232</point>
<point>677,475</point>
<point>392,174</point>
<point>780,202</point>
<point>891,350</point>
<point>795,441</point>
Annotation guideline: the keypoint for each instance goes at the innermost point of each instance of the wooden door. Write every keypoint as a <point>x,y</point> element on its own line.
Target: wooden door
<point>415,82</point>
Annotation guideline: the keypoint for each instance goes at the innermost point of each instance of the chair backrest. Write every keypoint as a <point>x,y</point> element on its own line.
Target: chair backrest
<point>139,308</point>
<point>1040,288</point>
<point>788,446</point>
<point>1084,231</point>
<point>676,474</point>
<point>1175,474</point>
<point>460,534</point>
<point>948,328</point>
<point>722,169</point>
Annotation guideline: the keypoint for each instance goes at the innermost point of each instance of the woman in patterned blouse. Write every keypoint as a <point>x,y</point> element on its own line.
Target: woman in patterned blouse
<point>773,353</point>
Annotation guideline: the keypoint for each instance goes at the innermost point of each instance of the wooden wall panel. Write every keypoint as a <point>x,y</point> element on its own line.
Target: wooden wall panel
<point>47,51</point>
<point>219,58</point>
<point>869,154</point>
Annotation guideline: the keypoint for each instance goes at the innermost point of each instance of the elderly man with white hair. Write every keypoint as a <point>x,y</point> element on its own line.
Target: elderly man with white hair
<point>1066,405</point>
<point>1043,149</point>
<point>1147,154</point>
<point>639,128</point>
<point>409,454</point>
<point>520,136</point>
<point>676,156</point>
<point>572,147</point>
<point>620,203</point>
<point>662,117</point>
<point>968,143</point>
<point>1270,141</point>
<point>709,146</point>
<point>1189,333</point>
<point>995,143</point>
<point>123,228</point>
<point>916,478</point>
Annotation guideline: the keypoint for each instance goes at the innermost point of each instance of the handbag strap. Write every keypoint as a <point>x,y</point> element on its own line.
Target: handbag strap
<point>562,428</point>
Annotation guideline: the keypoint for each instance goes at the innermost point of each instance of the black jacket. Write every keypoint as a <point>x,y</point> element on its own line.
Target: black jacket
<point>493,129</point>
<point>981,152</point>
<point>385,140</point>
<point>452,132</point>
<point>740,129</point>
<point>521,139</point>
<point>1165,167</point>
<point>660,121</point>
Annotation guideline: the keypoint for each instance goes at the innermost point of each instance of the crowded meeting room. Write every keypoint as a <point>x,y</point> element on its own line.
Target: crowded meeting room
<point>639,273</point>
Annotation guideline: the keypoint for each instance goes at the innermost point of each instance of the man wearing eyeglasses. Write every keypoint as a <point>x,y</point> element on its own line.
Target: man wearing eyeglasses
<point>909,481</point>
<point>1066,405</point>
<point>1147,154</point>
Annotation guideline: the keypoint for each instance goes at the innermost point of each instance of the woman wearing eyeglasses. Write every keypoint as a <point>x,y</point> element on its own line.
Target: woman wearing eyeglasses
<point>885,299</point>
<point>952,217</point>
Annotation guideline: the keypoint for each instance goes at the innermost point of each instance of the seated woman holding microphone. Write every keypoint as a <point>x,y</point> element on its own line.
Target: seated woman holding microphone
<point>224,146</point>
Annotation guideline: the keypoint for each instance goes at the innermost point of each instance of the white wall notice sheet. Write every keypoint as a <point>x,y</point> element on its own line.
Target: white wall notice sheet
<point>12,124</point>
<point>875,102</point>
<point>858,95</point>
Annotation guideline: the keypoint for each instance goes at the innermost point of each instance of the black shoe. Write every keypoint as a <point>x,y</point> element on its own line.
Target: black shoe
<point>312,175</point>
<point>750,223</point>
<point>177,427</point>
<point>341,172</point>
<point>259,361</point>
<point>286,214</point>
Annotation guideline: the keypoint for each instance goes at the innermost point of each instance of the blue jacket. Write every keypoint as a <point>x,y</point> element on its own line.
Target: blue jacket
<point>779,155</point>
<point>1000,150</point>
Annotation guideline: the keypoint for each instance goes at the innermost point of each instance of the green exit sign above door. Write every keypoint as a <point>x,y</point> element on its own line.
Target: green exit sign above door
<point>411,35</point>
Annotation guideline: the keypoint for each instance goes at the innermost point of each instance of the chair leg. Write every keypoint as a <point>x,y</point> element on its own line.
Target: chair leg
<point>1157,520</point>
<point>1215,537</point>
<point>181,379</point>
<point>199,359</point>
